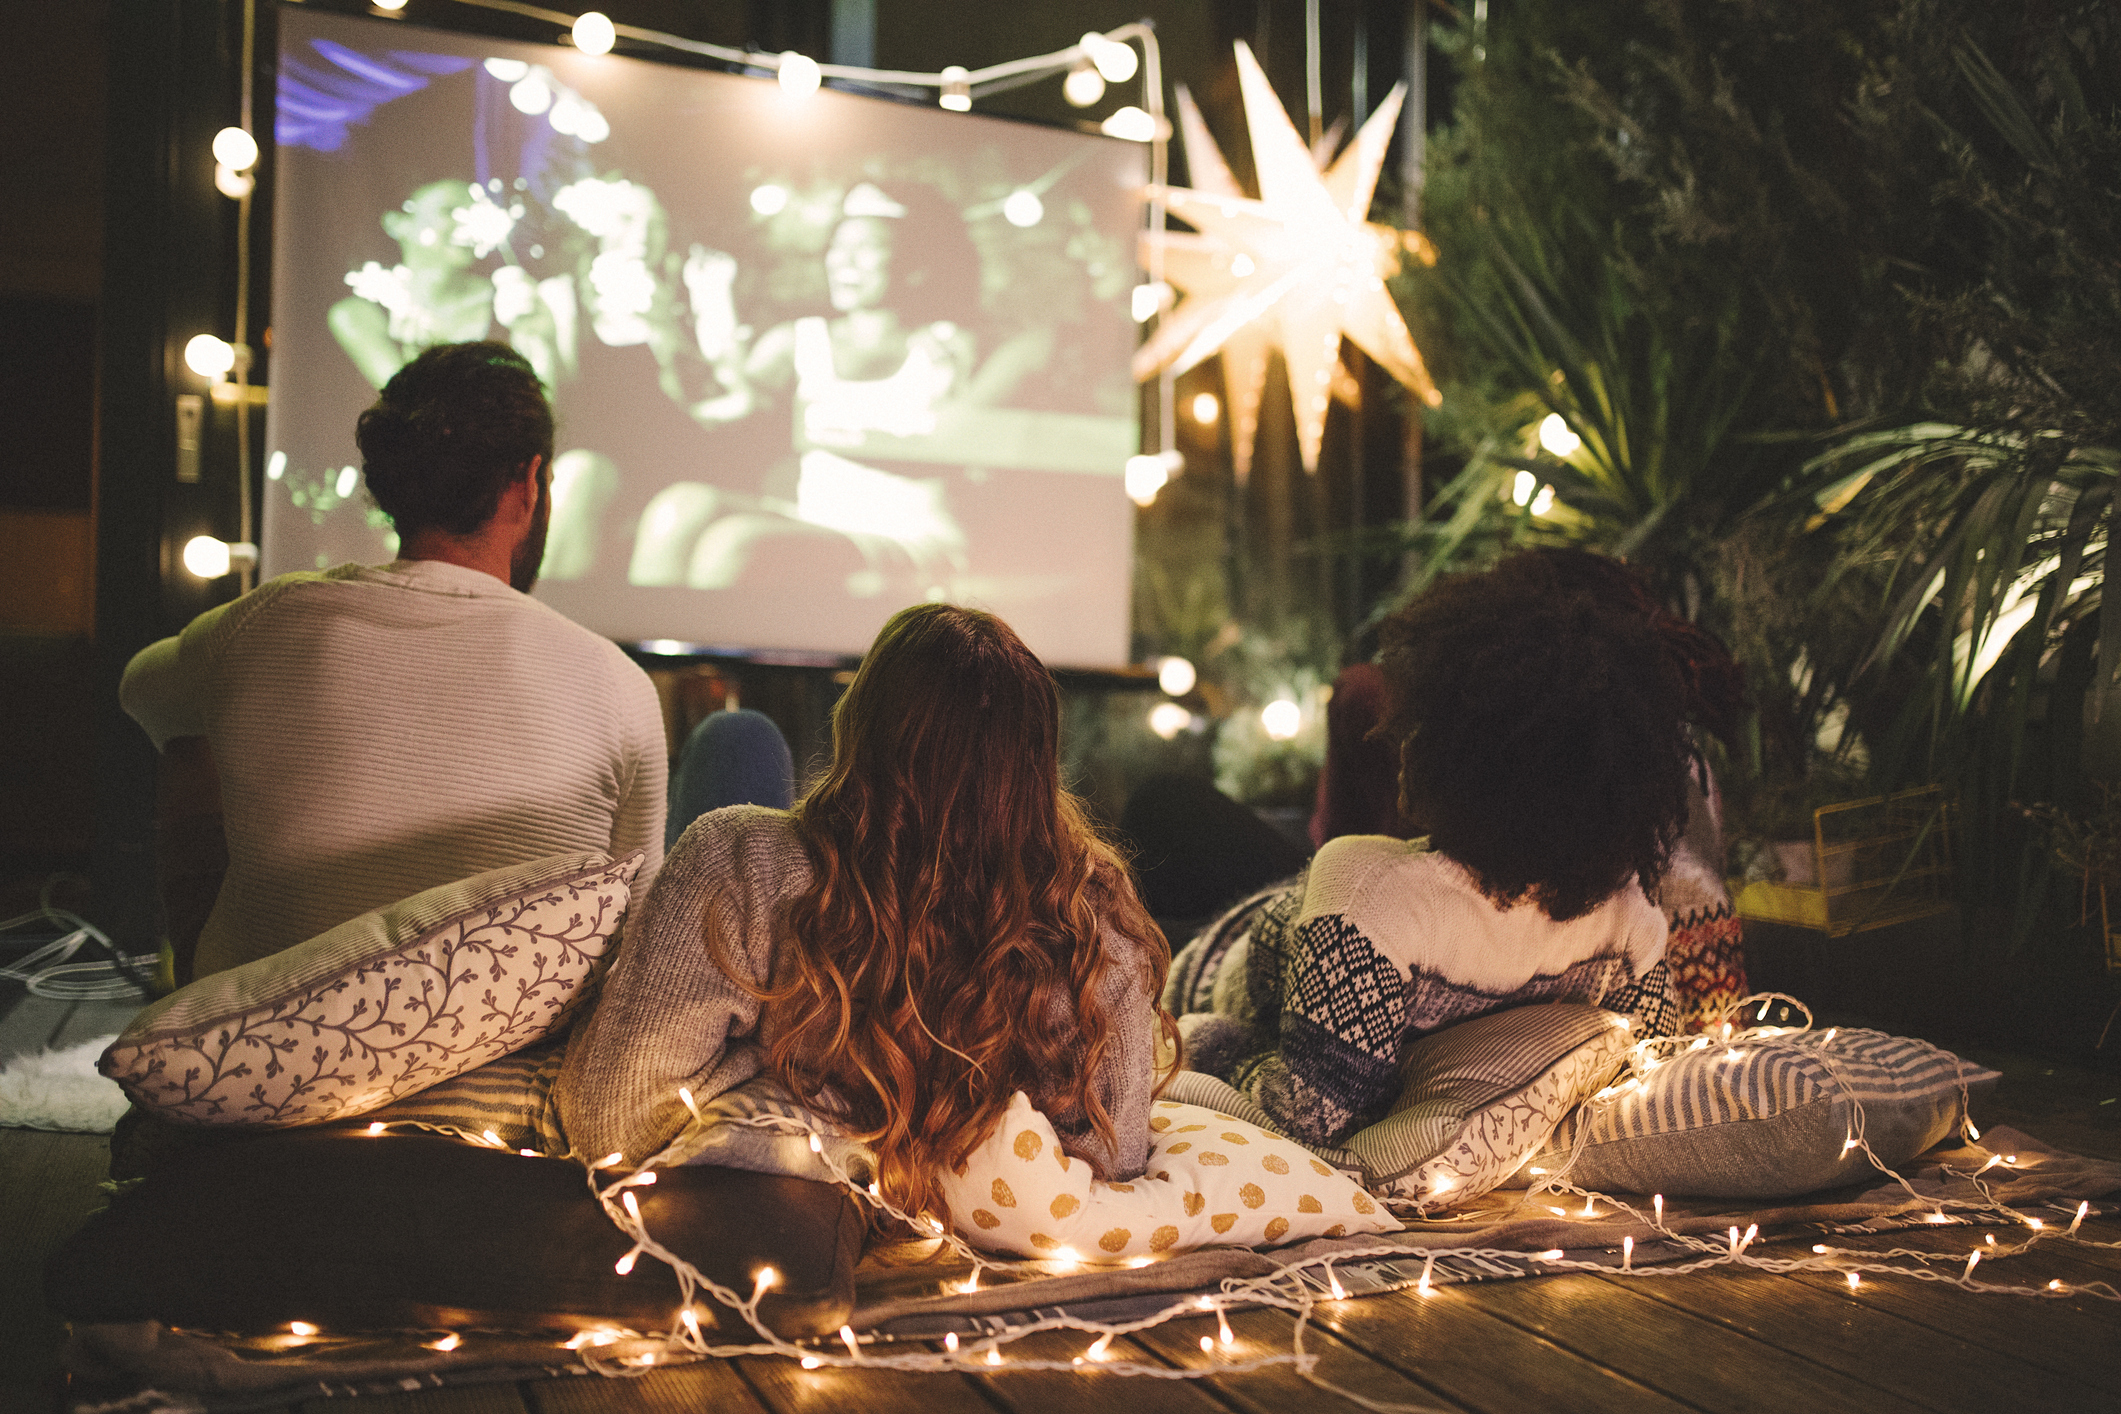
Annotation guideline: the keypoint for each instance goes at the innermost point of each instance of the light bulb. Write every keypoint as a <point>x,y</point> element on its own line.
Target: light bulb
<point>1083,86</point>
<point>230,183</point>
<point>209,558</point>
<point>1206,408</point>
<point>1023,209</point>
<point>1145,300</point>
<point>1146,475</point>
<point>235,148</point>
<point>957,89</point>
<point>1115,61</point>
<point>594,34</point>
<point>1541,504</point>
<point>1281,719</point>
<point>769,200</point>
<point>1522,486</point>
<point>1168,719</point>
<point>1129,123</point>
<point>1176,676</point>
<point>799,74</point>
<point>389,6</point>
<point>208,356</point>
<point>1557,437</point>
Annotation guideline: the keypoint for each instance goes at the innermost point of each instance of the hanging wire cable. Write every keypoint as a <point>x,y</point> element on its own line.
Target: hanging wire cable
<point>51,971</point>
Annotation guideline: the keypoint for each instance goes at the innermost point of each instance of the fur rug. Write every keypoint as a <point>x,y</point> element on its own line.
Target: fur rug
<point>60,1090</point>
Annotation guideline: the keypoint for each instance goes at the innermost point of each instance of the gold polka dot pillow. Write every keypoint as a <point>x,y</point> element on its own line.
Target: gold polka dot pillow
<point>1212,1181</point>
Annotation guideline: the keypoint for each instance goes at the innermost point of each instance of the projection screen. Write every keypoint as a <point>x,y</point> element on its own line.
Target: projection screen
<point>813,358</point>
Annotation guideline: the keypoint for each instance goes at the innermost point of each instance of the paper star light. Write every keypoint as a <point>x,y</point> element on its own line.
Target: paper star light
<point>1297,269</point>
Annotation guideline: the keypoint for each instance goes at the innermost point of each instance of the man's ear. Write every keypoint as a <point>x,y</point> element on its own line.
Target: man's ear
<point>526,481</point>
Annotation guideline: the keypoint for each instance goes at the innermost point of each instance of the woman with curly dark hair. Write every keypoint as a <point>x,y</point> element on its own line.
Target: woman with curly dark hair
<point>1704,945</point>
<point>932,928</point>
<point>1540,731</point>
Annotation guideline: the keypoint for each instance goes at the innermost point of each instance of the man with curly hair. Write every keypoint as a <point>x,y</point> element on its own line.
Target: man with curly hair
<point>1540,730</point>
<point>366,732</point>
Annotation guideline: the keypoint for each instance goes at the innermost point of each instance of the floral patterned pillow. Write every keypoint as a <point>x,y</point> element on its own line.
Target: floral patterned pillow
<point>1483,1096</point>
<point>384,1005</point>
<point>1213,1181</point>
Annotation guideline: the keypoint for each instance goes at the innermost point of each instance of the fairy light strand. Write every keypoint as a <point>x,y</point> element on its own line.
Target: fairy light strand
<point>1296,1287</point>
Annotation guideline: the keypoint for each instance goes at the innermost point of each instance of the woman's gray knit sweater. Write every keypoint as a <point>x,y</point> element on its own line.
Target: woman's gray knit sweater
<point>669,1017</point>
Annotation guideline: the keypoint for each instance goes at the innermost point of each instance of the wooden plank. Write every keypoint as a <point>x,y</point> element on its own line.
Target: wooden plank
<point>680,1389</point>
<point>1066,1392</point>
<point>786,1386</point>
<point>48,1185</point>
<point>1280,1387</point>
<point>1453,1343</point>
<point>1688,1357</point>
<point>2076,1336</point>
<point>496,1398</point>
<point>1936,1370</point>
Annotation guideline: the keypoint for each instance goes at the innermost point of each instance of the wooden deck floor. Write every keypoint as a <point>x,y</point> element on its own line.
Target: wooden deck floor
<point>1711,1341</point>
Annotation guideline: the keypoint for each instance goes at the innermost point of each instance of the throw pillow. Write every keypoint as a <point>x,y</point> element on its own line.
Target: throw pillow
<point>1481,1096</point>
<point>1767,1116</point>
<point>382,1006</point>
<point>1213,1181</point>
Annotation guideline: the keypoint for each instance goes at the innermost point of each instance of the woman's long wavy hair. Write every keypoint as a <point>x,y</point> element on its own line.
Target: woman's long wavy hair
<point>948,952</point>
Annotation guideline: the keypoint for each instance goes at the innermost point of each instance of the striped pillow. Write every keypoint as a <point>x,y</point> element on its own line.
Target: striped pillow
<point>1767,1116</point>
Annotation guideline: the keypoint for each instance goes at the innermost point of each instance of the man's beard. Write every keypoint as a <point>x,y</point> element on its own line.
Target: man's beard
<point>529,557</point>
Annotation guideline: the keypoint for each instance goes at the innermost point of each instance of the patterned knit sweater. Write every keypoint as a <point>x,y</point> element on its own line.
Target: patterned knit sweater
<point>1383,941</point>
<point>669,1017</point>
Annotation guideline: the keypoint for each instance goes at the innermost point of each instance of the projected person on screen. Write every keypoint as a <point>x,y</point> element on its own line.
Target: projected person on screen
<point>869,383</point>
<point>435,295</point>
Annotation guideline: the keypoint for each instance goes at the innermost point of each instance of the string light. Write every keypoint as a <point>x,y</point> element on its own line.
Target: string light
<point>1115,61</point>
<point>1627,1254</point>
<point>799,74</point>
<point>853,1347</point>
<point>1275,1288</point>
<point>957,89</point>
<point>235,149</point>
<point>950,1341</point>
<point>686,1096</point>
<point>376,1128</point>
<point>1083,86</point>
<point>593,33</point>
<point>763,1282</point>
<point>301,1328</point>
<point>447,1342</point>
<point>209,356</point>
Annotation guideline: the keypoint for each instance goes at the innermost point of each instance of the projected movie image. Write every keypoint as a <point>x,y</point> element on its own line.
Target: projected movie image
<point>813,358</point>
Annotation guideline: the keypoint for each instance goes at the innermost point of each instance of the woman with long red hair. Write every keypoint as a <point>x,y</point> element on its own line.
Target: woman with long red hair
<point>935,926</point>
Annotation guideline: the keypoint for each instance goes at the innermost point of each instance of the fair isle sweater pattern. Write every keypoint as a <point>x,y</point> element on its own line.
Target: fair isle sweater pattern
<point>1383,943</point>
